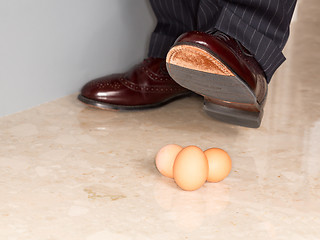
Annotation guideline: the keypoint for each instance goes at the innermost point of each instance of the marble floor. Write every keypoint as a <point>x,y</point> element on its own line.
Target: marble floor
<point>72,172</point>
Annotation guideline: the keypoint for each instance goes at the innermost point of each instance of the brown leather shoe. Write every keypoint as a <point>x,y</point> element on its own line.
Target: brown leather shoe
<point>146,85</point>
<point>224,72</point>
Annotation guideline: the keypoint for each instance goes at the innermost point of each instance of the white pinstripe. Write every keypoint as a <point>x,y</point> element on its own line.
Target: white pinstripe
<point>267,68</point>
<point>275,33</point>
<point>204,14</point>
<point>265,14</point>
<point>250,22</point>
<point>290,11</point>
<point>156,38</point>
<point>174,10</point>
<point>275,64</point>
<point>216,7</point>
<point>252,19</point>
<point>261,22</point>
<point>198,17</point>
<point>265,50</point>
<point>183,15</point>
<point>275,13</point>
<point>191,22</point>
<point>221,21</point>
<point>237,27</point>
<point>267,31</point>
<point>244,12</point>
<point>208,8</point>
<point>228,29</point>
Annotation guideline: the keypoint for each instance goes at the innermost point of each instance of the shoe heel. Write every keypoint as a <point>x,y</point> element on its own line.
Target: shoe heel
<point>235,116</point>
<point>227,97</point>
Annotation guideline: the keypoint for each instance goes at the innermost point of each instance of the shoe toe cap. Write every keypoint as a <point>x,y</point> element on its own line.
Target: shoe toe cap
<point>98,89</point>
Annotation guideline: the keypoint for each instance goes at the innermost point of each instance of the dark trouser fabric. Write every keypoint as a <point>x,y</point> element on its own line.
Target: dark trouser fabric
<point>262,26</point>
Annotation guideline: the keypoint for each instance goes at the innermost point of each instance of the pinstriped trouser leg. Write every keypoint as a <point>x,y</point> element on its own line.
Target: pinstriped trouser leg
<point>174,18</point>
<point>262,26</point>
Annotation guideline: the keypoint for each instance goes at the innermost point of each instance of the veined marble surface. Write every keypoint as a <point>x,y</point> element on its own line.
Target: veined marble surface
<point>72,172</point>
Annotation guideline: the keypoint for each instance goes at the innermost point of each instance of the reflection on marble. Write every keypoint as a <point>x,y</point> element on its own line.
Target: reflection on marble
<point>72,172</point>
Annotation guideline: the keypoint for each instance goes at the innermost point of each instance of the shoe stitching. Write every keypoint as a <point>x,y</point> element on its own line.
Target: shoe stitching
<point>154,76</point>
<point>149,89</point>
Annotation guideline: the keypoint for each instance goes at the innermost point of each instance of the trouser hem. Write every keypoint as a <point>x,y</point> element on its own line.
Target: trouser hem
<point>266,52</point>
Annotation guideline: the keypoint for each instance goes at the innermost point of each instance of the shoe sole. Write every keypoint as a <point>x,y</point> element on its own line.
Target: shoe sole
<point>226,96</point>
<point>107,106</point>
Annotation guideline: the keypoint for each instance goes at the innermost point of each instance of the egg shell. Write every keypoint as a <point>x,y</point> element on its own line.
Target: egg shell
<point>220,164</point>
<point>190,169</point>
<point>165,159</point>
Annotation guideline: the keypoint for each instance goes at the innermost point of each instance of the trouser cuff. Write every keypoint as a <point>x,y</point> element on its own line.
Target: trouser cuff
<point>267,54</point>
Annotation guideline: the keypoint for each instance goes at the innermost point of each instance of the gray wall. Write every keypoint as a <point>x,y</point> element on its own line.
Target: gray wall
<point>50,48</point>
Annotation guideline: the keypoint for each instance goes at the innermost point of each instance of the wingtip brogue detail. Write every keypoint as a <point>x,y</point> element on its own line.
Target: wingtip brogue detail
<point>147,85</point>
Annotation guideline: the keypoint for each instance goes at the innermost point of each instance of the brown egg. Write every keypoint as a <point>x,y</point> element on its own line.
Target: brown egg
<point>219,164</point>
<point>190,169</point>
<point>165,159</point>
